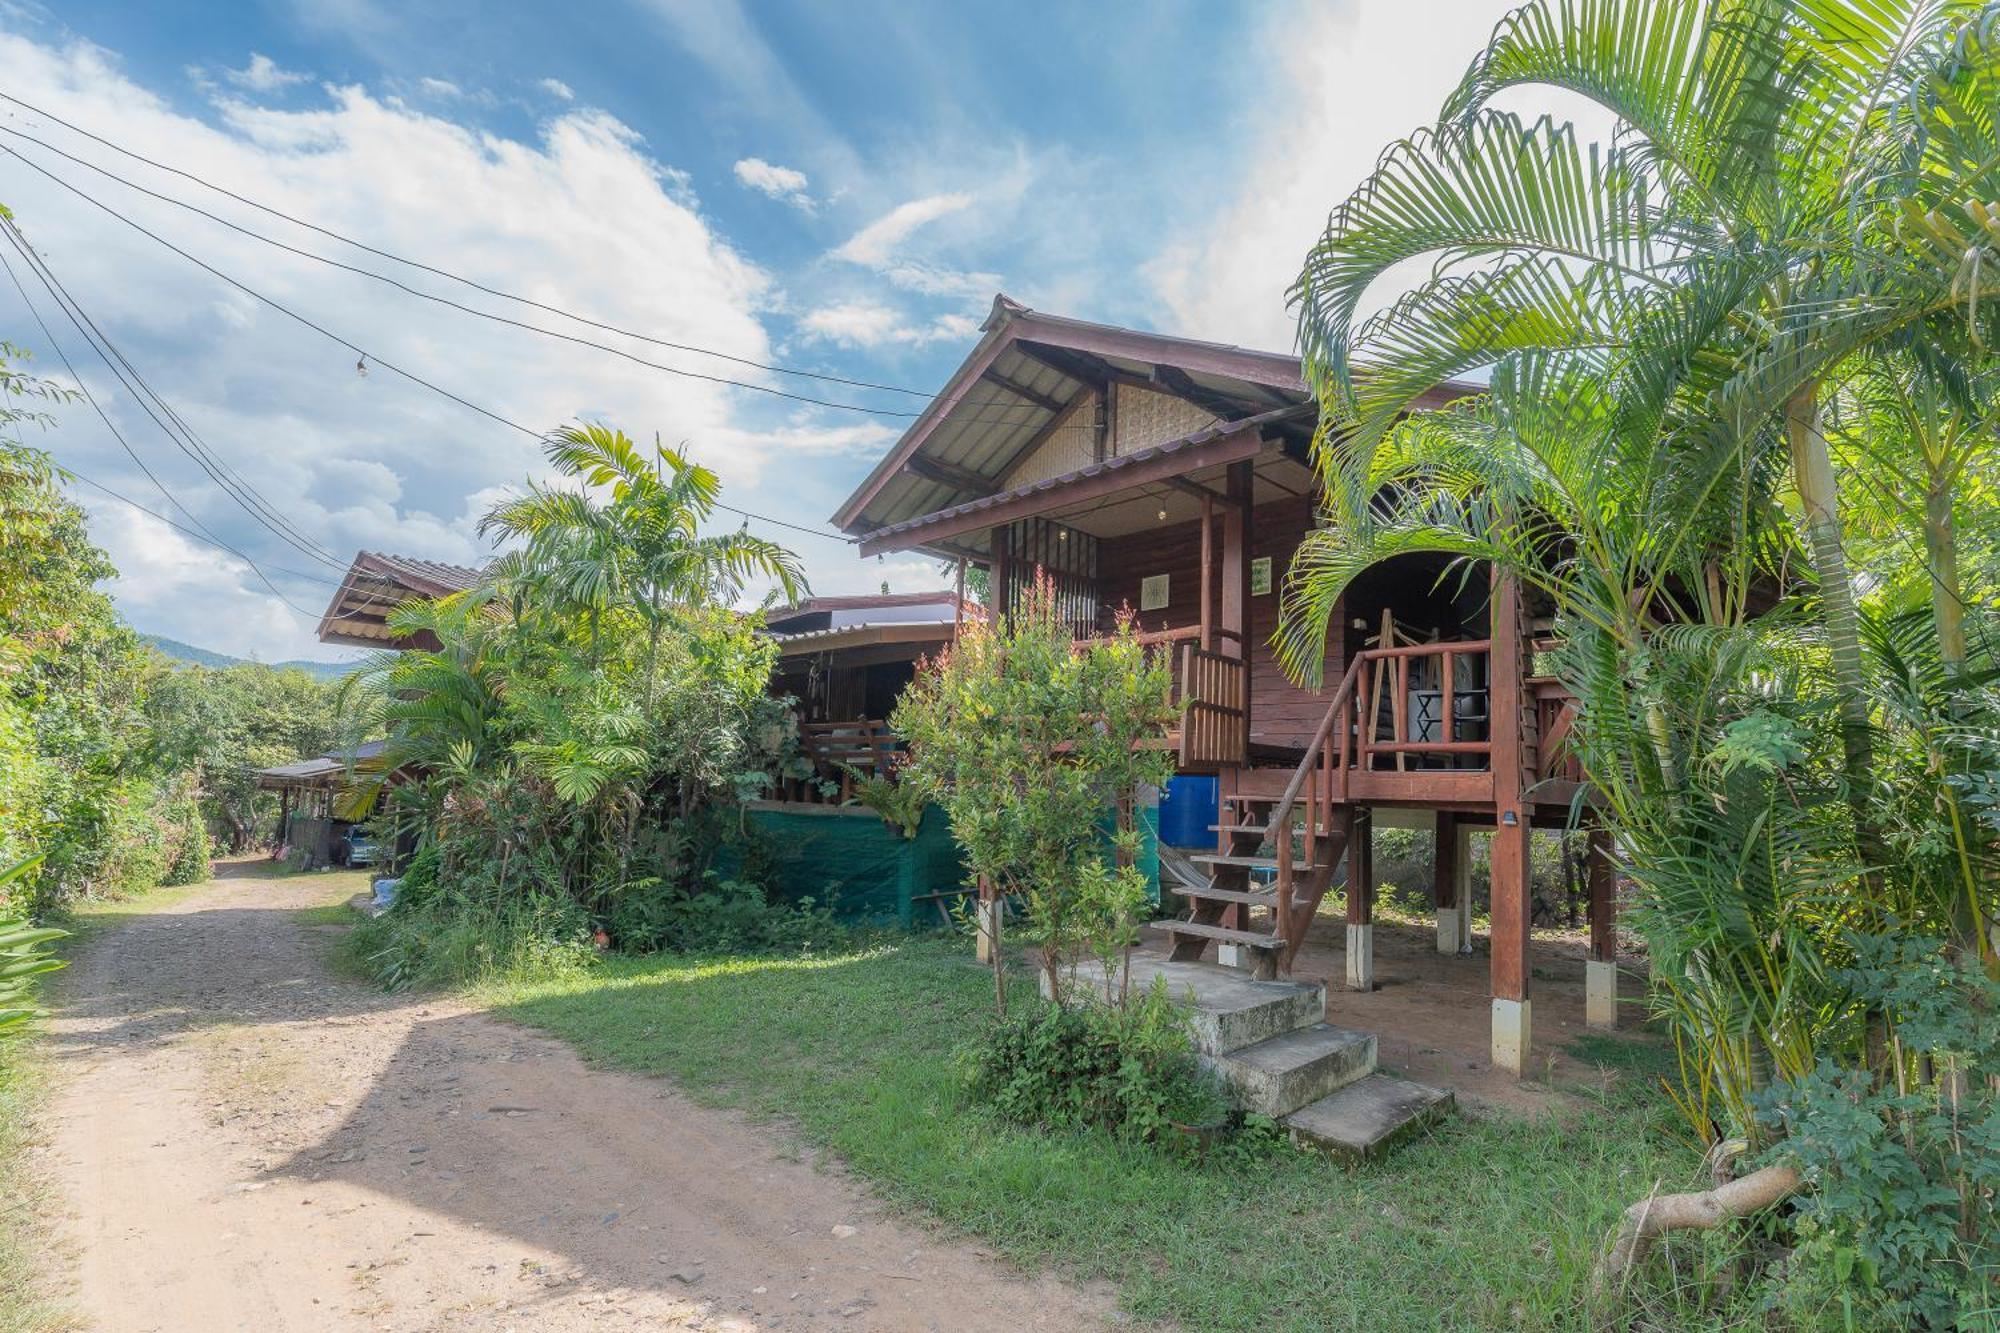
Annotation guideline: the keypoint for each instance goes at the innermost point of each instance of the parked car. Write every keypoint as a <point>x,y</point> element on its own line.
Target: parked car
<point>359,848</point>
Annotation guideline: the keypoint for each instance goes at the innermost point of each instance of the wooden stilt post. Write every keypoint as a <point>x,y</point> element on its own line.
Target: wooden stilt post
<point>1512,901</point>
<point>1234,614</point>
<point>1207,574</point>
<point>958,602</point>
<point>1600,991</point>
<point>1361,901</point>
<point>1003,572</point>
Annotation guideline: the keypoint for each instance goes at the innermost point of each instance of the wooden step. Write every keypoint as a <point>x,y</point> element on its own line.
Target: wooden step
<point>1264,829</point>
<point>1224,859</point>
<point>1252,898</point>
<point>1249,939</point>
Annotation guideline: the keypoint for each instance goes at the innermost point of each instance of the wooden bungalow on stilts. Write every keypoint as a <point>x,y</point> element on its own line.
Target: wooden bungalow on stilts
<point>1174,477</point>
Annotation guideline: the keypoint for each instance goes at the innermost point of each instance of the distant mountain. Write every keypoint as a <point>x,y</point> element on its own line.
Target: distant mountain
<point>187,652</point>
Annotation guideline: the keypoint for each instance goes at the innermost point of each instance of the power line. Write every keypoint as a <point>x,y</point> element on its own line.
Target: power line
<point>186,531</point>
<point>247,496</point>
<point>205,535</point>
<point>418,264</point>
<point>1002,403</point>
<point>671,370</point>
<point>363,352</point>
<point>233,483</point>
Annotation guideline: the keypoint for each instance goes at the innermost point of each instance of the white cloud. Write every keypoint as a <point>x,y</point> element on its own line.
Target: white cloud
<point>557,88</point>
<point>377,461</point>
<point>1343,87</point>
<point>440,87</point>
<point>263,75</point>
<point>876,245</point>
<point>785,184</point>
<point>870,324</point>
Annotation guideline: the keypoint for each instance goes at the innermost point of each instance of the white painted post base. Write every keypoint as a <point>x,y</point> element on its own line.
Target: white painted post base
<point>1447,930</point>
<point>1361,957</point>
<point>986,914</point>
<point>1511,1034</point>
<point>1600,994</point>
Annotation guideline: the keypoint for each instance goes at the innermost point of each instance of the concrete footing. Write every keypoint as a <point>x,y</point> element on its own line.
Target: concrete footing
<point>1512,1031</point>
<point>1360,957</point>
<point>1447,941</point>
<point>988,916</point>
<point>1600,994</point>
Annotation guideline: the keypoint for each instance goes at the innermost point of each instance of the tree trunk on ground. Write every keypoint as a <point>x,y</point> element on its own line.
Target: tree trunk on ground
<point>1812,472</point>
<point>1700,1210</point>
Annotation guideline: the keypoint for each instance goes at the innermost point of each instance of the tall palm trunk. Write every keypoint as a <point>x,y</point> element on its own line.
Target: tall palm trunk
<point>1941,547</point>
<point>1812,472</point>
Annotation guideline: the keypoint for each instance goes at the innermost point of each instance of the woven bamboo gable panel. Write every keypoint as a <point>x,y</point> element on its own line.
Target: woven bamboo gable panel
<point>1070,446</point>
<point>1146,418</point>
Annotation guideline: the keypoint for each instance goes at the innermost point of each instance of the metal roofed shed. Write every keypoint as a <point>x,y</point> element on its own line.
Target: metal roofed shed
<point>375,585</point>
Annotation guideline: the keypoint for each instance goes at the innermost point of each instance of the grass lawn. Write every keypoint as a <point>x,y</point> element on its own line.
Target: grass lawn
<point>1490,1222</point>
<point>27,1267</point>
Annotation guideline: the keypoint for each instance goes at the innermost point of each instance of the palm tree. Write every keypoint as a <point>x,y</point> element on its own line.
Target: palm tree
<point>640,550</point>
<point>1923,442</point>
<point>1792,183</point>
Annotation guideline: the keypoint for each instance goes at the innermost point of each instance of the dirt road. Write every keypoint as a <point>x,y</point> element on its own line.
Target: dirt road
<point>248,1142</point>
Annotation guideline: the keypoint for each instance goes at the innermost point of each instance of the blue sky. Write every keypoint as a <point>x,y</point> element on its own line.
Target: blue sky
<point>836,187</point>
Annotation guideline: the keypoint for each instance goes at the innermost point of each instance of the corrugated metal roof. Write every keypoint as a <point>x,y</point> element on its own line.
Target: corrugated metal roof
<point>433,576</point>
<point>868,632</point>
<point>963,432</point>
<point>1113,464</point>
<point>980,429</point>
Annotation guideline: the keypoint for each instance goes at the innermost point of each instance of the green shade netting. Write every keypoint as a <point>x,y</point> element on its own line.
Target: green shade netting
<point>867,871</point>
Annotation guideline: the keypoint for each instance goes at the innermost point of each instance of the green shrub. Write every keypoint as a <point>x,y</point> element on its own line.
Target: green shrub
<point>24,955</point>
<point>727,915</point>
<point>1129,1069</point>
<point>191,850</point>
<point>439,935</point>
<point>1898,1228</point>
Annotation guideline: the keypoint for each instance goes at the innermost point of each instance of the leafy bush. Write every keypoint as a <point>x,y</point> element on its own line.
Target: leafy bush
<point>1026,739</point>
<point>453,941</point>
<point>727,915</point>
<point>440,934</point>
<point>24,955</point>
<point>1899,1228</point>
<point>1129,1069</point>
<point>191,850</point>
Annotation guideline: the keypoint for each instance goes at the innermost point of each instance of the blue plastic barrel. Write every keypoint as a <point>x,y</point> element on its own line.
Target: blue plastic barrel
<point>1187,808</point>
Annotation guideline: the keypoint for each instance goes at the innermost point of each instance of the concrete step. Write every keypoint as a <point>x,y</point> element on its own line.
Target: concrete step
<point>1365,1118</point>
<point>1231,1010</point>
<point>1285,1072</point>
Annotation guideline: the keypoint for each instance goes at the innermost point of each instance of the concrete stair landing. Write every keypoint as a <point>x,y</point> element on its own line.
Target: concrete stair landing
<point>1270,1042</point>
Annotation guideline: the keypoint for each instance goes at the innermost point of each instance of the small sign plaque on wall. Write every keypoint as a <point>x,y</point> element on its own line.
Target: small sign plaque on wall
<point>1153,593</point>
<point>1260,576</point>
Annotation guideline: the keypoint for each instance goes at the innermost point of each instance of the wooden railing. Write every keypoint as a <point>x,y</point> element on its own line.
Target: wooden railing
<point>1313,779</point>
<point>840,749</point>
<point>1215,709</point>
<point>1452,728</point>
<point>1555,710</point>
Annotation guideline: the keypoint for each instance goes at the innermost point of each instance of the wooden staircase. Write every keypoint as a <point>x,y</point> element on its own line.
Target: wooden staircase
<point>1298,835</point>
